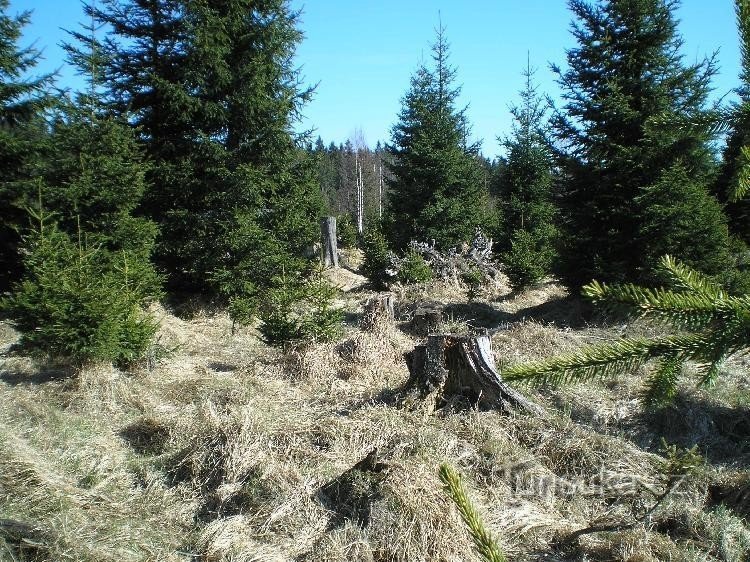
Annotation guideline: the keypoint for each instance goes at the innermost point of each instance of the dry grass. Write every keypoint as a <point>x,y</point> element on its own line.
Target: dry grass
<point>224,451</point>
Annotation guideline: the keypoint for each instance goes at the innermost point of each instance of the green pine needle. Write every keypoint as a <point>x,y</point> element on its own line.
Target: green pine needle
<point>485,545</point>
<point>688,279</point>
<point>718,325</point>
<point>661,387</point>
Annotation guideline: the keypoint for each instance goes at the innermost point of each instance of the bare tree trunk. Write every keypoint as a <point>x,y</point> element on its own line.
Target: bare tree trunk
<point>329,246</point>
<point>360,200</point>
<point>448,366</point>
<point>380,190</point>
<point>378,310</point>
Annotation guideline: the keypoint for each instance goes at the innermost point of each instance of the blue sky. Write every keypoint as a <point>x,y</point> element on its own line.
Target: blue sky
<point>361,54</point>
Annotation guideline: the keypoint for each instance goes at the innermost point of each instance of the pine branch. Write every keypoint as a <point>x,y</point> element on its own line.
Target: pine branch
<point>485,545</point>
<point>615,358</point>
<point>695,311</point>
<point>661,387</point>
<point>688,279</point>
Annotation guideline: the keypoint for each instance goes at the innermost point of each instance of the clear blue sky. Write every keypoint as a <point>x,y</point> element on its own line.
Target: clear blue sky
<point>361,54</point>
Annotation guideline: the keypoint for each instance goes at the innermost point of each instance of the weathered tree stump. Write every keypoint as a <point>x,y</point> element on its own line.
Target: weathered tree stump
<point>329,245</point>
<point>449,365</point>
<point>377,310</point>
<point>428,319</point>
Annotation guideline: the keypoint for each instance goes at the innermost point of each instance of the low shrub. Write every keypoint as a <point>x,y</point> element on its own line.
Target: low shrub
<point>413,268</point>
<point>81,302</point>
<point>528,260</point>
<point>346,232</point>
<point>377,257</point>
<point>300,312</point>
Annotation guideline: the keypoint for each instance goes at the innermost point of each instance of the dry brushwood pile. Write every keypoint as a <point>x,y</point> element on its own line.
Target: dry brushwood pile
<point>228,450</point>
<point>453,265</point>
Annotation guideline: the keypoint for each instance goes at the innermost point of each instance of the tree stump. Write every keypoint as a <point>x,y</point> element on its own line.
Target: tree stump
<point>329,245</point>
<point>449,365</point>
<point>428,318</point>
<point>377,310</point>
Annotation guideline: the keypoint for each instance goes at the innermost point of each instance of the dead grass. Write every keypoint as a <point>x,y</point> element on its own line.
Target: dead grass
<point>224,451</point>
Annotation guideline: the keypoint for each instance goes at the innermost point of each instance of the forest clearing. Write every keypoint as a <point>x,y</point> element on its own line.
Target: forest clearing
<point>225,340</point>
<point>223,451</point>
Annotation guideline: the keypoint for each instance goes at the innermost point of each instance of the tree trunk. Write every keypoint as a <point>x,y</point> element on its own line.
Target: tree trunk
<point>449,365</point>
<point>427,319</point>
<point>377,310</point>
<point>330,252</point>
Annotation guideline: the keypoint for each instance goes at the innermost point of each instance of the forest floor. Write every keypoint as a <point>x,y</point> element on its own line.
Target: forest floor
<point>229,450</point>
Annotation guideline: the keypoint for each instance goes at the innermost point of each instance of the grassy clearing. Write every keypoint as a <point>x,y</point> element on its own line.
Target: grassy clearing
<point>228,451</point>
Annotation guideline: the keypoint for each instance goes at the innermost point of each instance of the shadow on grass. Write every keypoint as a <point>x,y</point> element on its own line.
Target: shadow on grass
<point>722,433</point>
<point>570,312</point>
<point>43,374</point>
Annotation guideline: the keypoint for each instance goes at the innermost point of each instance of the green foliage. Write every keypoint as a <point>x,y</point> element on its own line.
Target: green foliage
<point>413,268</point>
<point>376,257</point>
<point>95,179</point>
<point>736,279</point>
<point>680,462</point>
<point>712,326</point>
<point>677,213</point>
<point>733,181</point>
<point>474,278</point>
<point>215,96</point>
<point>23,137</point>
<point>297,312</point>
<point>436,183</point>
<point>627,91</point>
<point>346,231</point>
<point>485,545</point>
<point>526,239</point>
<point>530,257</point>
<point>82,302</point>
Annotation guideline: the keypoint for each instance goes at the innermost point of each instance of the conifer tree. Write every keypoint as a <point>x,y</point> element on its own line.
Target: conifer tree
<point>215,96</point>
<point>525,190</point>
<point>144,58</point>
<point>261,194</point>
<point>625,91</point>
<point>22,135</point>
<point>88,271</point>
<point>436,187</point>
<point>733,179</point>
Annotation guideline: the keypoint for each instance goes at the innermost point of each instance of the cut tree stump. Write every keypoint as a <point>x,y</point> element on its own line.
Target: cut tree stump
<point>428,319</point>
<point>449,365</point>
<point>377,310</point>
<point>329,245</point>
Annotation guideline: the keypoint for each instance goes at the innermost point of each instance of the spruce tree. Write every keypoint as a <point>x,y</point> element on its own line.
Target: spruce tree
<point>526,239</point>
<point>144,57</point>
<point>263,196</point>
<point>88,272</point>
<point>215,96</point>
<point>22,135</point>
<point>626,91</point>
<point>436,186</point>
<point>733,178</point>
